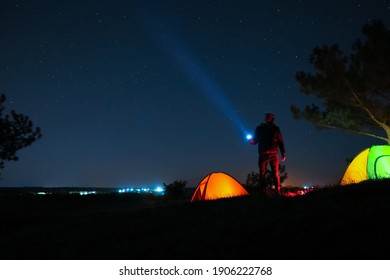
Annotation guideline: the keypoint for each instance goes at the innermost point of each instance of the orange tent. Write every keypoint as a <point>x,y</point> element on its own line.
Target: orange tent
<point>218,185</point>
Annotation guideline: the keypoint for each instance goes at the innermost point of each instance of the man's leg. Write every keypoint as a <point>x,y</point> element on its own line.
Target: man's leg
<point>275,172</point>
<point>263,162</point>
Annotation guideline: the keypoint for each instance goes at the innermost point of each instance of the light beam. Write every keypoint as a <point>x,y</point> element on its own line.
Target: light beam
<point>199,76</point>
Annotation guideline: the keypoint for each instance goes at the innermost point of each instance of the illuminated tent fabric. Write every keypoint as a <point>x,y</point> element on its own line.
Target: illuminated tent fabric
<point>371,163</point>
<point>218,185</point>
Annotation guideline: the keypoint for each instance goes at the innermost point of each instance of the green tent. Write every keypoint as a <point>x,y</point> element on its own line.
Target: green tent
<point>371,163</point>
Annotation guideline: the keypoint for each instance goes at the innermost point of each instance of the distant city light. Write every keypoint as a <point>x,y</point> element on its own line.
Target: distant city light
<point>157,190</point>
<point>87,192</point>
<point>41,193</point>
<point>71,192</point>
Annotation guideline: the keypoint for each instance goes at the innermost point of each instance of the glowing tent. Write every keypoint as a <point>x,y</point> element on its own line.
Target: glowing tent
<point>218,185</point>
<point>371,163</point>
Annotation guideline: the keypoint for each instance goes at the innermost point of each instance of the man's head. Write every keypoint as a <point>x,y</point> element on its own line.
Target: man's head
<point>269,117</point>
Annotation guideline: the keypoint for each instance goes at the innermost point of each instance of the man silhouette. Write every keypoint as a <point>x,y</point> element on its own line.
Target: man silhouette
<point>270,141</point>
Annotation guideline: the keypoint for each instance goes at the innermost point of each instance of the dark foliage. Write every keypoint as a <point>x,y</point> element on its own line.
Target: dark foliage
<point>16,132</point>
<point>175,190</point>
<point>354,89</point>
<point>253,179</point>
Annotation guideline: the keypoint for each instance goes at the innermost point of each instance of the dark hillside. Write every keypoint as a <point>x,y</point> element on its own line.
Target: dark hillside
<point>332,223</point>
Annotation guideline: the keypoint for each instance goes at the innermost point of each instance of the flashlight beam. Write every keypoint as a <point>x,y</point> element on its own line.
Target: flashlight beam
<point>188,63</point>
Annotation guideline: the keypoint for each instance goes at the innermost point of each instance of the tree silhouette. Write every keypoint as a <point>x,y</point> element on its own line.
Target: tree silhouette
<point>253,178</point>
<point>176,189</point>
<point>355,89</point>
<point>16,132</point>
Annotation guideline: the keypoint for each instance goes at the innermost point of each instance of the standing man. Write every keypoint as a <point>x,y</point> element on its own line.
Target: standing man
<point>270,141</point>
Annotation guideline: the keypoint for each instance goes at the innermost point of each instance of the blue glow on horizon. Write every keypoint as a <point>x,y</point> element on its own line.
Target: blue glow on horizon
<point>157,190</point>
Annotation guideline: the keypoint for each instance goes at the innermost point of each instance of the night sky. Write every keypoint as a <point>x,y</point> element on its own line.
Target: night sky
<point>148,92</point>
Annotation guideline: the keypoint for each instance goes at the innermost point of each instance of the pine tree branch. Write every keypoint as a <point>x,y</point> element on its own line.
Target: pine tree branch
<point>368,111</point>
<point>354,131</point>
<point>382,95</point>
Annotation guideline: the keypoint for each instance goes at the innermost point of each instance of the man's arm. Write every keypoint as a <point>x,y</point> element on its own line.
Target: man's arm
<point>281,146</point>
<point>255,138</point>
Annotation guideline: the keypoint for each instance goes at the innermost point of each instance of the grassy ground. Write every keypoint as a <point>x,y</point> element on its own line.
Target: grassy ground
<point>349,222</point>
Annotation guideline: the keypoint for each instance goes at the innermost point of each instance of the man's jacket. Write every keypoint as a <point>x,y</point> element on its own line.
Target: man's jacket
<point>269,139</point>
